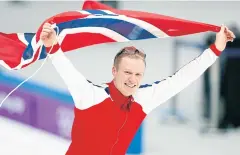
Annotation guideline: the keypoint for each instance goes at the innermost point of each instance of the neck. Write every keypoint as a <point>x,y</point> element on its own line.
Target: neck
<point>118,97</point>
<point>114,82</point>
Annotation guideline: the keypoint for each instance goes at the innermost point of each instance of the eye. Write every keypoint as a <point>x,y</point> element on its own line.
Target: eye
<point>127,72</point>
<point>138,74</point>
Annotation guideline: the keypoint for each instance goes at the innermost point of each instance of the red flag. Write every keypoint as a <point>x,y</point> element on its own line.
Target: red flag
<point>170,25</point>
<point>96,23</point>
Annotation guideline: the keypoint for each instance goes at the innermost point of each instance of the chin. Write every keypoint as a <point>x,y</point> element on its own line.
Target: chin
<point>129,93</point>
<point>126,93</point>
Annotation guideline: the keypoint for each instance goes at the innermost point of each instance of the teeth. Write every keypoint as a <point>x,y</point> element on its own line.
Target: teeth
<point>131,86</point>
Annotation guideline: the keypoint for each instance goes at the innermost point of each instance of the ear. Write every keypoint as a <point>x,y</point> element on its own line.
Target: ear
<point>114,71</point>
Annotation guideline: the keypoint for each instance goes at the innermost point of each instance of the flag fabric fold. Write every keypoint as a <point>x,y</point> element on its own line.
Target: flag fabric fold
<point>94,24</point>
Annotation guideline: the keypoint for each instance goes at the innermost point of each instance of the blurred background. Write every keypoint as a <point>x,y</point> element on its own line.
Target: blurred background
<point>203,119</point>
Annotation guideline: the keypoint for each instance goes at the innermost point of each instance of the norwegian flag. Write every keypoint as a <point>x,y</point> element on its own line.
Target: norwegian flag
<point>96,23</point>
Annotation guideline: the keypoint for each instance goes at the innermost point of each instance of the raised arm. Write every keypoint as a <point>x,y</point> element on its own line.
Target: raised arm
<point>84,94</point>
<point>159,92</point>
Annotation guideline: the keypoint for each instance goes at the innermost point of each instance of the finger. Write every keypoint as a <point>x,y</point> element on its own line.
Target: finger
<point>223,28</point>
<point>231,33</point>
<point>230,39</point>
<point>47,30</point>
<point>43,37</point>
<point>228,34</point>
<point>47,27</point>
<point>44,34</point>
<point>47,24</point>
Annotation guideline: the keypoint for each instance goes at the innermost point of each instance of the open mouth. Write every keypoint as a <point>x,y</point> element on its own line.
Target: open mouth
<point>130,85</point>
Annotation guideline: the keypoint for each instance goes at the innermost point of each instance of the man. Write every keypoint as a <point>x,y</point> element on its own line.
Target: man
<point>107,117</point>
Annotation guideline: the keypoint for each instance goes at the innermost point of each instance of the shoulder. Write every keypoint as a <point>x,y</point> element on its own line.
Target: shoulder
<point>102,86</point>
<point>145,90</point>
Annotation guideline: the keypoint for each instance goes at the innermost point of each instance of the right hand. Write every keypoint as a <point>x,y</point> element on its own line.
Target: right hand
<point>48,35</point>
<point>222,37</point>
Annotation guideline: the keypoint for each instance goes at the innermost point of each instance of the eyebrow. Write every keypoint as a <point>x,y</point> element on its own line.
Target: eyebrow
<point>126,70</point>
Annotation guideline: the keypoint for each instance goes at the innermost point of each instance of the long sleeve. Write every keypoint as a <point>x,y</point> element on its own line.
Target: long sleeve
<point>84,93</point>
<point>159,92</point>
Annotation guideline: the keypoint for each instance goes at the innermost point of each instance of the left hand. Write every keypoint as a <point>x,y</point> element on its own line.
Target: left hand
<point>222,37</point>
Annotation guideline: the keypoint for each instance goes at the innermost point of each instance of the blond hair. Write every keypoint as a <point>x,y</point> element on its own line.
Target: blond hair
<point>131,52</point>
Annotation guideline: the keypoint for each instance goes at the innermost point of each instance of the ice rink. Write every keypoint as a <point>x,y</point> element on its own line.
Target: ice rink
<point>160,139</point>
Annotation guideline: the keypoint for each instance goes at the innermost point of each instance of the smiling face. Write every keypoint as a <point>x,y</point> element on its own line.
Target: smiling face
<point>128,72</point>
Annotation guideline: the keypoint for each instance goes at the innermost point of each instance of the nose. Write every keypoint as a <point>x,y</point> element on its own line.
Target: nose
<point>132,79</point>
